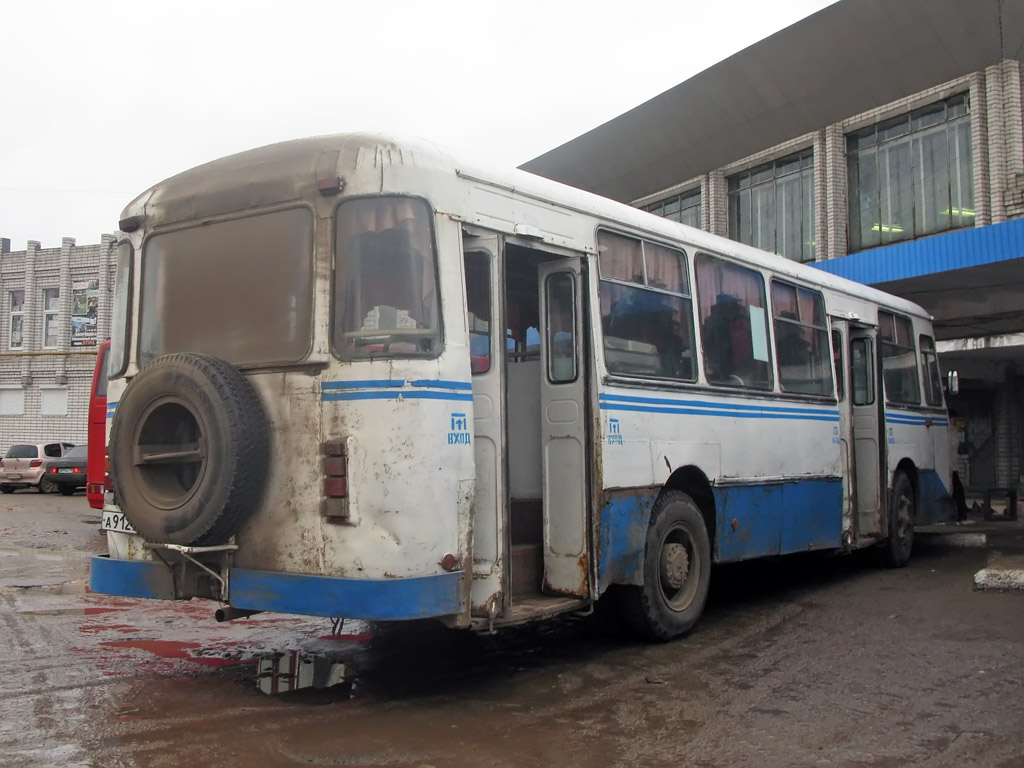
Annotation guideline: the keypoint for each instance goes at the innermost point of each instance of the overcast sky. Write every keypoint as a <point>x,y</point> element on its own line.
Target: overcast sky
<point>100,100</point>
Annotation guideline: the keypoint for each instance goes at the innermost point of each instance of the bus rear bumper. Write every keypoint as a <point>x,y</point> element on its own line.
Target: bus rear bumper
<point>396,599</point>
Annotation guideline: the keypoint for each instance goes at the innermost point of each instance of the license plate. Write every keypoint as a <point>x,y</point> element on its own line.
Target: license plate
<point>115,521</point>
<point>14,477</point>
<point>65,470</point>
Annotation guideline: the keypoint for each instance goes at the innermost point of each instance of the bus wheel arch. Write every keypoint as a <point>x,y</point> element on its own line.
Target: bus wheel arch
<point>187,403</point>
<point>902,512</point>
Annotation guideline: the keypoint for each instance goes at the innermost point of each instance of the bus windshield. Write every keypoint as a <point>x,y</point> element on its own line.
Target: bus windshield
<point>385,286</point>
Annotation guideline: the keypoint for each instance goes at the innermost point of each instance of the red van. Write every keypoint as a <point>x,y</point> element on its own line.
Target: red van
<point>97,466</point>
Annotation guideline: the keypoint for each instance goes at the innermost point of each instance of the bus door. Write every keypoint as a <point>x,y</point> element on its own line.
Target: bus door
<point>866,424</point>
<point>563,428</point>
<point>482,257</point>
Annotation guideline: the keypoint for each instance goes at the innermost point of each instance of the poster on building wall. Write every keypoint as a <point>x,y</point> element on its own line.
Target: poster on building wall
<point>85,299</point>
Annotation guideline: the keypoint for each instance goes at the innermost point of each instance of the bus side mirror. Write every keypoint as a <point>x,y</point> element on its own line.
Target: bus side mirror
<point>952,383</point>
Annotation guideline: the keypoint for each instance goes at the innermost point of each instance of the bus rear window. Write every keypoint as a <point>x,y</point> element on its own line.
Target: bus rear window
<point>385,283</point>
<point>240,290</point>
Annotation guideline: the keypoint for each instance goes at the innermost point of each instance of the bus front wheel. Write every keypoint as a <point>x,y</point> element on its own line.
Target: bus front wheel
<point>677,571</point>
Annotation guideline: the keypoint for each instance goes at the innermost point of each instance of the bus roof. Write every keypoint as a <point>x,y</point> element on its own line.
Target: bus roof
<point>288,171</point>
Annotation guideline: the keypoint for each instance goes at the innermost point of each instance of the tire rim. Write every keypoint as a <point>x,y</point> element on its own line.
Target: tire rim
<point>678,568</point>
<point>169,452</point>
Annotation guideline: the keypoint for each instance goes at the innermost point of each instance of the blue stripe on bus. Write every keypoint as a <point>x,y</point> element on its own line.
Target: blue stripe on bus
<point>702,408</point>
<point>441,384</point>
<point>403,395</point>
<point>372,599</point>
<point>111,407</point>
<point>709,404</point>
<point>917,421</point>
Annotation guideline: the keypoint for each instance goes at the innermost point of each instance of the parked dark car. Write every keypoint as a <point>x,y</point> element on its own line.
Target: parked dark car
<point>68,473</point>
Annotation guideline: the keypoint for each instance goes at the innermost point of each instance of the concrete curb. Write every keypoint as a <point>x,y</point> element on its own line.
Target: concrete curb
<point>1004,573</point>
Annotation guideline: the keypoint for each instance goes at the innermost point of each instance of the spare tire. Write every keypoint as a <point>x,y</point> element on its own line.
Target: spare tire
<point>189,450</point>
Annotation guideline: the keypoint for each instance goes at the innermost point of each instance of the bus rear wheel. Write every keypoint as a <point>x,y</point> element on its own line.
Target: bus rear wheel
<point>677,571</point>
<point>897,548</point>
<point>189,450</point>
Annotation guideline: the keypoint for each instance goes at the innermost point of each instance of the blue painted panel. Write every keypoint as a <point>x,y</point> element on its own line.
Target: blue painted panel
<point>759,520</point>
<point>749,521</point>
<point>935,505</point>
<point>375,599</point>
<point>942,253</point>
<point>620,557</point>
<point>812,516</point>
<point>130,578</point>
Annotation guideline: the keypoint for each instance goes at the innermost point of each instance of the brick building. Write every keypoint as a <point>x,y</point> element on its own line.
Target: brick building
<point>55,307</point>
<point>881,141</point>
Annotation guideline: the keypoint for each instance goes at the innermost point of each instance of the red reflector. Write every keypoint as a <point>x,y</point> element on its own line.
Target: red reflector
<point>332,185</point>
<point>77,470</point>
<point>335,486</point>
<point>53,470</point>
<point>334,466</point>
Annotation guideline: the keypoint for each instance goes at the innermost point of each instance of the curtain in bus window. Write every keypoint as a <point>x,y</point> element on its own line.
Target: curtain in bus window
<point>478,307</point>
<point>385,281</point>
<point>666,268</point>
<point>899,360</point>
<point>801,340</point>
<point>621,258</point>
<point>734,324</point>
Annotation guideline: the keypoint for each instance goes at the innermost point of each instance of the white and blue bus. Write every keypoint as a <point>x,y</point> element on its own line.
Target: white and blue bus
<point>351,376</point>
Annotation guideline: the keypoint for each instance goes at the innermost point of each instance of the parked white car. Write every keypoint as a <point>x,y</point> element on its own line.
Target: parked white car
<point>24,466</point>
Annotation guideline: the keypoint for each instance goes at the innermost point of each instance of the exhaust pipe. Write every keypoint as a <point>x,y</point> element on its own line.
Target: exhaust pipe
<point>227,613</point>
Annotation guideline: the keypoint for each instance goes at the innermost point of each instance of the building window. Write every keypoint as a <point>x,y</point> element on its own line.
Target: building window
<point>684,208</point>
<point>17,337</point>
<point>12,401</point>
<point>51,308</point>
<point>53,401</point>
<point>771,207</point>
<point>911,176</point>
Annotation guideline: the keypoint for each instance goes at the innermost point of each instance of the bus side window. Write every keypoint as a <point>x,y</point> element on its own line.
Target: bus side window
<point>734,323</point>
<point>862,372</point>
<point>478,309</point>
<point>839,364</point>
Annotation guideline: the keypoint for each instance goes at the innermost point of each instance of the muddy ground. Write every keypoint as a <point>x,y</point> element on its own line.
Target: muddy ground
<point>798,662</point>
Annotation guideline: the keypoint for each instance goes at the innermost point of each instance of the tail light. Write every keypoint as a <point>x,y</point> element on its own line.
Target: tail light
<point>335,480</point>
<point>36,463</point>
<point>1,463</point>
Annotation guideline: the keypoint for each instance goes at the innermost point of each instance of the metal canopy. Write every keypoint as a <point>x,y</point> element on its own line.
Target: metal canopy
<point>847,58</point>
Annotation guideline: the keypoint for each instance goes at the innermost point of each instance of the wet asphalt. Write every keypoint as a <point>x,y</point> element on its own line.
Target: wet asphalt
<point>799,661</point>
